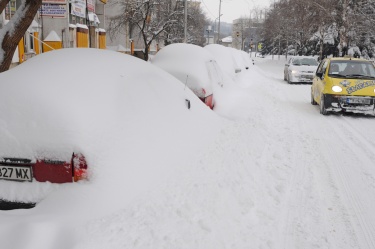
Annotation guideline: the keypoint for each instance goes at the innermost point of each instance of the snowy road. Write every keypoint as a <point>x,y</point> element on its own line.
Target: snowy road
<point>314,175</point>
<point>278,175</point>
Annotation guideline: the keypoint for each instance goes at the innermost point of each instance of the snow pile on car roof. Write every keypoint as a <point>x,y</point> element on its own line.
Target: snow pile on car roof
<point>230,60</point>
<point>188,63</point>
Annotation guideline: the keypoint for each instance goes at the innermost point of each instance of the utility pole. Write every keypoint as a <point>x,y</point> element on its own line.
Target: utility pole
<point>185,23</point>
<point>218,30</point>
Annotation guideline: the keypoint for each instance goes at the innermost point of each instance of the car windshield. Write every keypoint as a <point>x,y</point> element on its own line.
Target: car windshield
<point>305,62</point>
<point>352,69</point>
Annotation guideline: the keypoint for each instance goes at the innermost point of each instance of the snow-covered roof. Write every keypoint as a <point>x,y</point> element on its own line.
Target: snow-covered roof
<point>53,36</point>
<point>227,39</point>
<point>118,48</point>
<point>81,26</point>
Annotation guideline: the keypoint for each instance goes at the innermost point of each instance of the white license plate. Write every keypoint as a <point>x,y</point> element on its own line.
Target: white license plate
<point>358,101</point>
<point>309,77</point>
<point>16,173</point>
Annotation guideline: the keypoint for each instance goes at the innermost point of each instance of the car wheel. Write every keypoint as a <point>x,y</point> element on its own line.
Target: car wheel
<point>313,102</point>
<point>323,109</point>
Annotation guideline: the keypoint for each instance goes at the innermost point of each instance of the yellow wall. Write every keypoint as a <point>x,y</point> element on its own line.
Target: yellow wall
<point>102,40</point>
<point>53,44</point>
<point>21,51</point>
<point>82,38</point>
<point>36,43</point>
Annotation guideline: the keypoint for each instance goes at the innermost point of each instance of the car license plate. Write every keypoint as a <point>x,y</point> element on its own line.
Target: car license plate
<point>308,77</point>
<point>16,173</point>
<point>358,101</point>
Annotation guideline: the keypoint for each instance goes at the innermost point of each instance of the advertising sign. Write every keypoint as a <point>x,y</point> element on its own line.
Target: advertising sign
<point>91,5</point>
<point>54,1</point>
<point>53,10</point>
<point>79,8</point>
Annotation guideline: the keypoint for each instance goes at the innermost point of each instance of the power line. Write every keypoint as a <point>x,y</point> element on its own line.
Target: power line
<point>208,9</point>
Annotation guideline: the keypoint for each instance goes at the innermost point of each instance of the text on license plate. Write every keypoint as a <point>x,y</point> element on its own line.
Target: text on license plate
<point>358,101</point>
<point>309,77</point>
<point>16,173</point>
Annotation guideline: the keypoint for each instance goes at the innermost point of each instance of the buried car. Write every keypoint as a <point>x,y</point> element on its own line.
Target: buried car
<point>193,66</point>
<point>300,69</point>
<point>344,85</point>
<point>92,110</point>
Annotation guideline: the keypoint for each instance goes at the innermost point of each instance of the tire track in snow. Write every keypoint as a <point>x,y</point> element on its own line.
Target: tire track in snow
<point>350,189</point>
<point>306,200</point>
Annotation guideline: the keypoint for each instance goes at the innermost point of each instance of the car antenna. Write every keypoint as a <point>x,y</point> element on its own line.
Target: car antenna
<point>188,105</point>
<point>187,76</point>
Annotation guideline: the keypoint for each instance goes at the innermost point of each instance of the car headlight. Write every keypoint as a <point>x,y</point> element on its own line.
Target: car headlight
<point>337,89</point>
<point>294,72</point>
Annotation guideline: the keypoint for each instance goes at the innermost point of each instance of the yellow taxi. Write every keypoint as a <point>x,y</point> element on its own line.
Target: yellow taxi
<point>344,85</point>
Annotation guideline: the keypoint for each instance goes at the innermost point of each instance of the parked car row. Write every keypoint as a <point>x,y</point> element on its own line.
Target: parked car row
<point>48,123</point>
<point>202,69</point>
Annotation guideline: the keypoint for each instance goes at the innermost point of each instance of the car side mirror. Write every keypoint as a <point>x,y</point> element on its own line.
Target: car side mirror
<point>319,75</point>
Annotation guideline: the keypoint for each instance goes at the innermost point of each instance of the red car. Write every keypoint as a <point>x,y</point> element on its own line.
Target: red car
<point>41,170</point>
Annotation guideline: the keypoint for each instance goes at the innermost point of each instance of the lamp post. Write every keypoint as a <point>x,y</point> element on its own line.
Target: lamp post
<point>218,32</point>
<point>185,22</point>
<point>215,27</point>
<point>208,33</point>
<point>300,33</point>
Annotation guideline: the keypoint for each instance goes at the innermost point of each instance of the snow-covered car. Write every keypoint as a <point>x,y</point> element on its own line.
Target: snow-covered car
<point>344,85</point>
<point>61,125</point>
<point>232,61</point>
<point>300,69</point>
<point>193,66</point>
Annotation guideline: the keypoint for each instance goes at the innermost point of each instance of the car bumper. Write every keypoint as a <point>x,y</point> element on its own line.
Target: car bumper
<point>306,78</point>
<point>347,103</point>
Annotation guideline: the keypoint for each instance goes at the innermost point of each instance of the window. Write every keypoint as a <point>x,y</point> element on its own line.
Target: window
<point>352,68</point>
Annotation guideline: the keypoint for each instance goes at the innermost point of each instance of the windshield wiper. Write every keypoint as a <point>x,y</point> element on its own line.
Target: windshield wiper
<point>337,75</point>
<point>359,76</point>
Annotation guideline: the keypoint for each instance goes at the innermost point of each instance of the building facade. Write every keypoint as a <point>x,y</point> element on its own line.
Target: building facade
<point>60,24</point>
<point>245,34</point>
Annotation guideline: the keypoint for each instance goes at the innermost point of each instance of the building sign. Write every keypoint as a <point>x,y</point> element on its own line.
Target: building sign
<point>10,9</point>
<point>91,5</point>
<point>53,10</point>
<point>79,8</point>
<point>54,1</point>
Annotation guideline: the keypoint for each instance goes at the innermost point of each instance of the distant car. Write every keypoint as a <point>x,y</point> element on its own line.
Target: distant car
<point>193,66</point>
<point>344,84</point>
<point>300,69</point>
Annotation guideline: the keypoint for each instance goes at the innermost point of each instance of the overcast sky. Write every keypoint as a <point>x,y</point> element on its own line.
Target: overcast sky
<point>231,9</point>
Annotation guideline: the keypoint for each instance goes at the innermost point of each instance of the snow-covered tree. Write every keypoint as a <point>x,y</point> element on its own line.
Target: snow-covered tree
<point>152,20</point>
<point>341,24</point>
<point>14,30</point>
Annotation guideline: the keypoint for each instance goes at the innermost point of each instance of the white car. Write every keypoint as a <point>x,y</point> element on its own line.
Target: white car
<point>300,69</point>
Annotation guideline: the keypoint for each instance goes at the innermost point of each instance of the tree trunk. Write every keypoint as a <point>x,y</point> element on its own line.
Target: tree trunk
<point>3,4</point>
<point>15,30</point>
<point>343,30</point>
